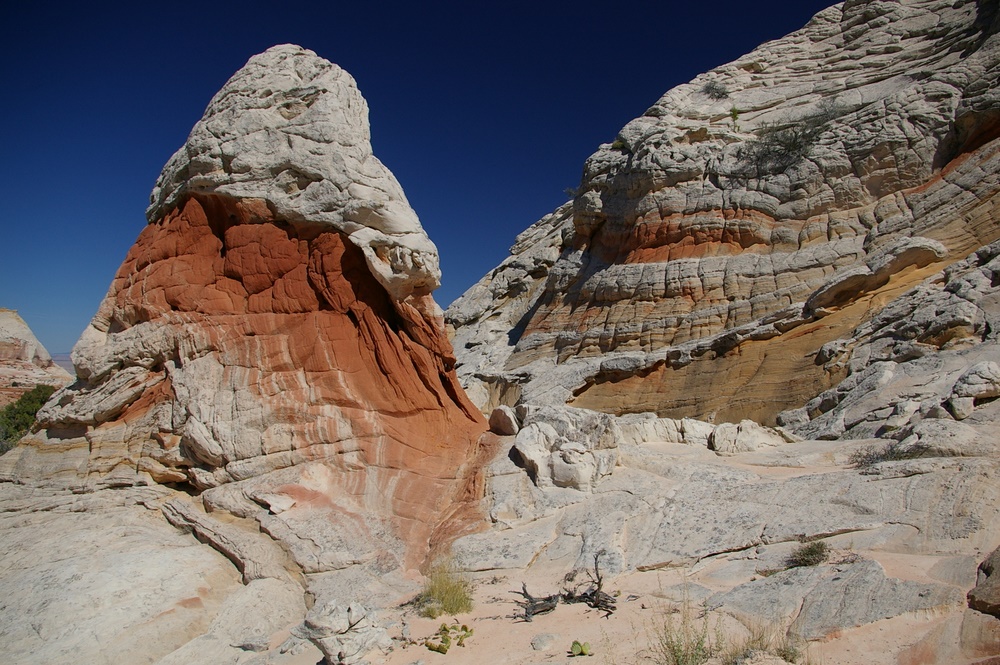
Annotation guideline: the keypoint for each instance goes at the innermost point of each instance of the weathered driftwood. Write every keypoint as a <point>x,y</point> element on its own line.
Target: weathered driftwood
<point>594,596</point>
<point>533,606</point>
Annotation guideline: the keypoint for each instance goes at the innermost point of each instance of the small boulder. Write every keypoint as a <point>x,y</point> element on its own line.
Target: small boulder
<point>981,381</point>
<point>985,597</point>
<point>747,436</point>
<point>504,421</point>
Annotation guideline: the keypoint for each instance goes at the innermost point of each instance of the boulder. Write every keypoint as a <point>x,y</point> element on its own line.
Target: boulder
<point>746,436</point>
<point>503,421</point>
<point>985,597</point>
<point>565,447</point>
<point>979,382</point>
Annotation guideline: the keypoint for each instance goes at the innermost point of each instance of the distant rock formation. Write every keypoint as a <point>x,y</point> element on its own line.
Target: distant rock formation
<point>748,218</point>
<point>270,341</point>
<point>24,362</point>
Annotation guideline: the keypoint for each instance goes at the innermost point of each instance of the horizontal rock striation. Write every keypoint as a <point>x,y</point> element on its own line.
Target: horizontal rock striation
<point>270,341</point>
<point>749,217</point>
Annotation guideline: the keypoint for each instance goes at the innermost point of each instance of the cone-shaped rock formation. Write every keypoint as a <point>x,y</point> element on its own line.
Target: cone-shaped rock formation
<point>271,336</point>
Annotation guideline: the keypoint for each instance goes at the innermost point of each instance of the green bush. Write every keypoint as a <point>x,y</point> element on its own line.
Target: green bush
<point>777,147</point>
<point>715,90</point>
<point>17,418</point>
<point>444,592</point>
<point>808,554</point>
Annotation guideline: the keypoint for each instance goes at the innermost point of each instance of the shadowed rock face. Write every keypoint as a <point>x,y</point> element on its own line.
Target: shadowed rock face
<point>749,217</point>
<point>262,346</point>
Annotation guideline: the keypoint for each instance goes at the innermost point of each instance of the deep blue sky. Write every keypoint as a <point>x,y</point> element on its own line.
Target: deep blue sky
<point>485,111</point>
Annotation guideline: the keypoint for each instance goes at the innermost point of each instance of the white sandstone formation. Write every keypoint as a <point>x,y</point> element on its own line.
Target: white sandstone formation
<point>24,362</point>
<point>311,161</point>
<point>268,375</point>
<point>748,217</point>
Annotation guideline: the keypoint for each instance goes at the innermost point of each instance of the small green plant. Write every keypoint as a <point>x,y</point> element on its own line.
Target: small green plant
<point>17,418</point>
<point>448,636</point>
<point>620,144</point>
<point>808,554</point>
<point>580,649</point>
<point>895,451</point>
<point>715,90</point>
<point>445,592</point>
<point>734,115</point>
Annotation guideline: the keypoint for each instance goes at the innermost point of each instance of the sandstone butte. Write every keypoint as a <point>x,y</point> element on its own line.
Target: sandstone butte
<point>270,343</point>
<point>24,362</point>
<point>768,316</point>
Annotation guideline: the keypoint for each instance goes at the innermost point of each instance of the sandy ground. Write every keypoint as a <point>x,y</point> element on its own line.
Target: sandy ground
<point>629,636</point>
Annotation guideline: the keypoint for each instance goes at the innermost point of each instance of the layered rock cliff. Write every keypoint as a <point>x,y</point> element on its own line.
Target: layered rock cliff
<point>24,362</point>
<point>748,218</point>
<point>270,342</point>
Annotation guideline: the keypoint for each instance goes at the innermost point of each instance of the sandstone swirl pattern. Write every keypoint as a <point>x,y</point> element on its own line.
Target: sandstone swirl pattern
<point>271,339</point>
<point>747,218</point>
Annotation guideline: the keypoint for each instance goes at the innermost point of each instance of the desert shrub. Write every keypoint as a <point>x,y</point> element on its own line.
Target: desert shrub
<point>715,90</point>
<point>444,592</point>
<point>777,147</point>
<point>761,639</point>
<point>17,418</point>
<point>808,554</point>
<point>774,149</point>
<point>894,451</point>
<point>681,640</point>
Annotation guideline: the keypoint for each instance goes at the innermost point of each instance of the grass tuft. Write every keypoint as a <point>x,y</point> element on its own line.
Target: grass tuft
<point>895,451</point>
<point>445,592</point>
<point>808,554</point>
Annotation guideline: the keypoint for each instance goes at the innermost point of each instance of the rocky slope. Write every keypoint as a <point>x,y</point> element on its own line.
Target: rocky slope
<point>24,362</point>
<point>269,362</point>
<point>749,217</point>
<point>805,237</point>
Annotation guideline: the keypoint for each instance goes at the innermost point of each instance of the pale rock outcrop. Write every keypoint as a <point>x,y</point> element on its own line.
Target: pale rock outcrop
<point>746,436</point>
<point>270,363</point>
<point>103,578</point>
<point>821,601</point>
<point>561,446</point>
<point>747,219</point>
<point>930,354</point>
<point>24,362</point>
<point>296,135</point>
<point>979,382</point>
<point>344,634</point>
<point>985,597</point>
<point>565,447</point>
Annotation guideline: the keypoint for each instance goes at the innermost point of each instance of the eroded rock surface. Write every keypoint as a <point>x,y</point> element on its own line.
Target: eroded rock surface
<point>748,218</point>
<point>270,362</point>
<point>24,362</point>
